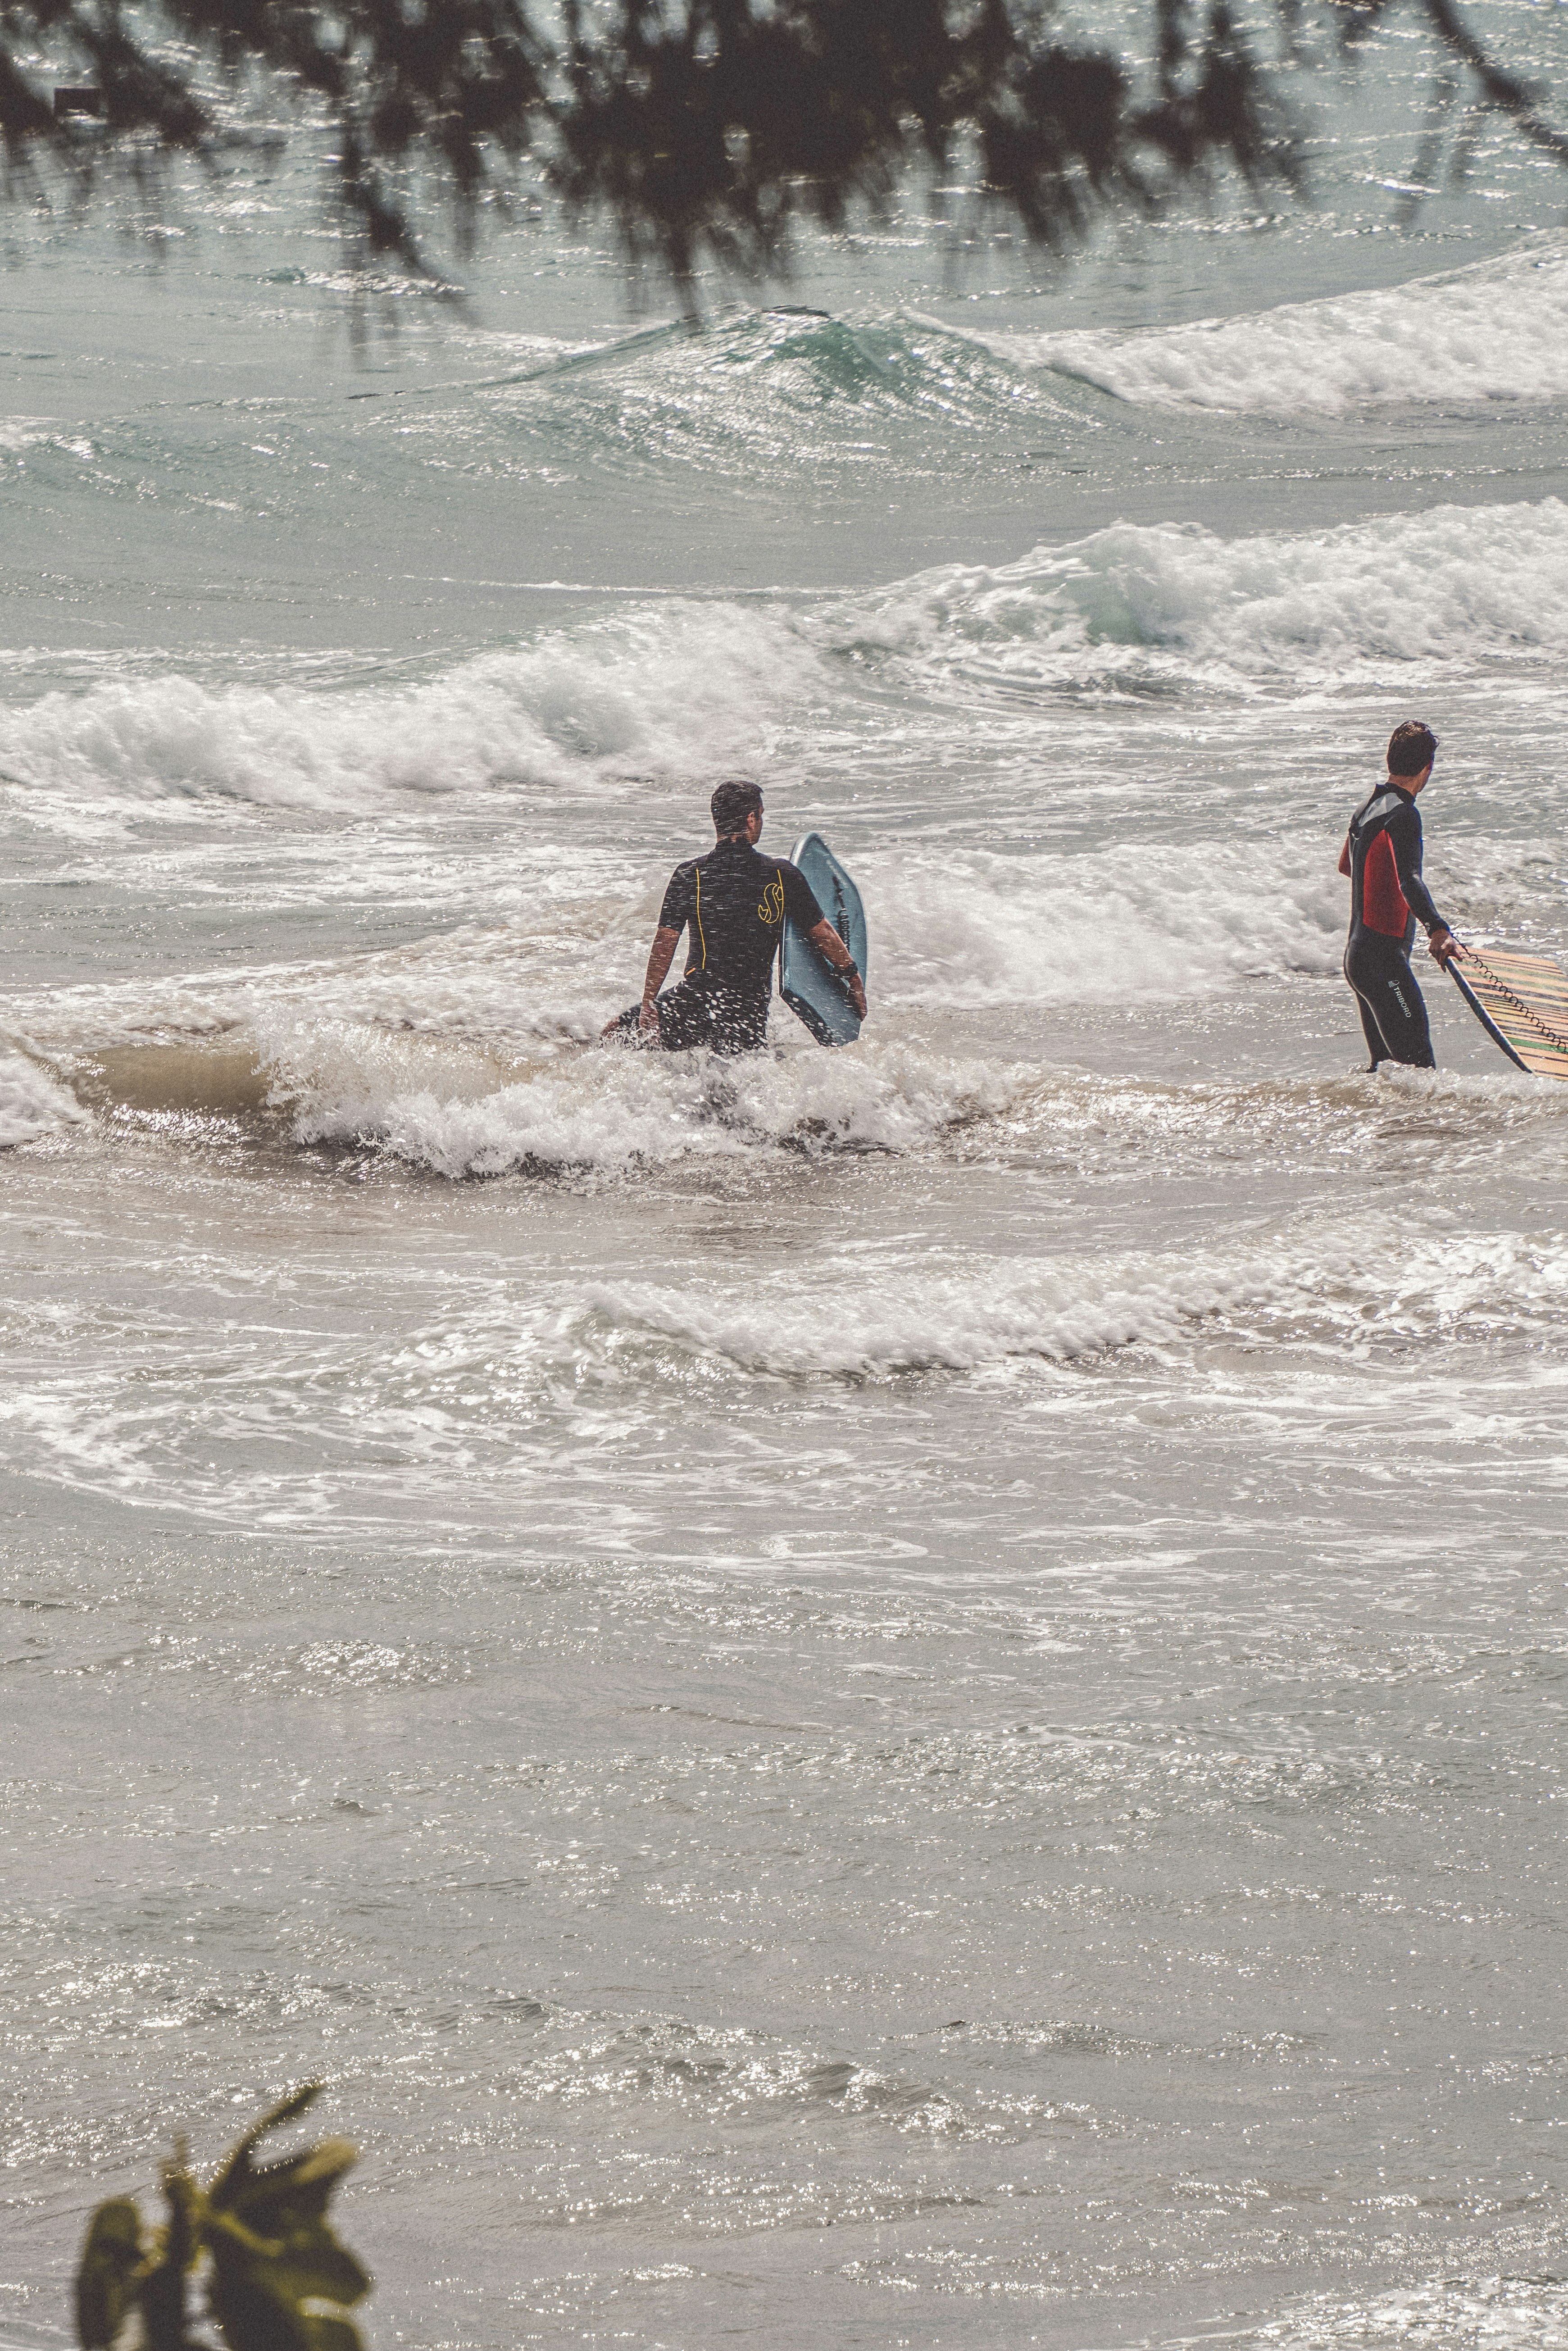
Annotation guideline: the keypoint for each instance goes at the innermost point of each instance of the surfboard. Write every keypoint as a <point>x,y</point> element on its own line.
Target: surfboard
<point>807,981</point>
<point>1521,1002</point>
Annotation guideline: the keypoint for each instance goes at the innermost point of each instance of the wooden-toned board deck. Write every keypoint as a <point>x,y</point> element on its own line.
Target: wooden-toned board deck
<point>1514,986</point>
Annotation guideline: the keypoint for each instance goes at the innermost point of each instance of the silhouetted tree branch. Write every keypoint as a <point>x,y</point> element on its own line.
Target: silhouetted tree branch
<point>703,126</point>
<point>1520,101</point>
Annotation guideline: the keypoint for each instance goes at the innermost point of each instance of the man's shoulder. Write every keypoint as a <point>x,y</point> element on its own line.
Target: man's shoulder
<point>756,864</point>
<point>751,864</point>
<point>680,890</point>
<point>1382,801</point>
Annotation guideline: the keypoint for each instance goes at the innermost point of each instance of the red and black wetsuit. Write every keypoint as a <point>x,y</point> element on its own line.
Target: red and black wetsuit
<point>732,904</point>
<point>1382,855</point>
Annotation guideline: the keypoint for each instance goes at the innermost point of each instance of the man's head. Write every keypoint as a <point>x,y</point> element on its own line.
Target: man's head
<point>1412,747</point>
<point>736,809</point>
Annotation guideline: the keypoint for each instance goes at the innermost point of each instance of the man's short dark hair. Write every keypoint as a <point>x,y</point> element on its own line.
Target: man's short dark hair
<point>1411,748</point>
<point>733,802</point>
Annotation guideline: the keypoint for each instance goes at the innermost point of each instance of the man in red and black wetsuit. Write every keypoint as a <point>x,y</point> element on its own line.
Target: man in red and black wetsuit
<point>1382,855</point>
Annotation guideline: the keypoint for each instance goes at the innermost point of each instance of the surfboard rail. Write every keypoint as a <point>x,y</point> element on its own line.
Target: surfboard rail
<point>1521,1002</point>
<point>807,981</point>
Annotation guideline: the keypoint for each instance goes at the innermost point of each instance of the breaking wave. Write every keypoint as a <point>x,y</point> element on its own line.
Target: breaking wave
<point>1137,922</point>
<point>1497,330</point>
<point>32,1102</point>
<point>674,691</point>
<point>1387,1293</point>
<point>607,1110</point>
<point>1453,583</point>
<point>760,392</point>
<point>756,398</point>
<point>632,694</point>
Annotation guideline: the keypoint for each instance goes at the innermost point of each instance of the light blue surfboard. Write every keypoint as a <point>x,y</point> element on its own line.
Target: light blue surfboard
<point>807,981</point>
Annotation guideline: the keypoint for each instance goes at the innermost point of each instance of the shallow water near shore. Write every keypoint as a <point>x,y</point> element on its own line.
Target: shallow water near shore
<point>909,1695</point>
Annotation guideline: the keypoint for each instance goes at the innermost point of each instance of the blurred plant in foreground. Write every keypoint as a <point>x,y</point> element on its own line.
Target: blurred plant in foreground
<point>256,2239</point>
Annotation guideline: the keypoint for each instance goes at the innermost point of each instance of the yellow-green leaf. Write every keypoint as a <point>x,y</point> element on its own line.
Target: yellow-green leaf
<point>110,2253</point>
<point>287,2110</point>
<point>292,2194</point>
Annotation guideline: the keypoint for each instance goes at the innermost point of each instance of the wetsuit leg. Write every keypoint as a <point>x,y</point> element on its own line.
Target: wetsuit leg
<point>686,1018</point>
<point>1376,1050</point>
<point>697,1013</point>
<point>739,1022</point>
<point>1393,1010</point>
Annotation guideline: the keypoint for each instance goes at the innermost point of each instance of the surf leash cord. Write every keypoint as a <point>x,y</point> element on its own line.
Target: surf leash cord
<point>1554,1037</point>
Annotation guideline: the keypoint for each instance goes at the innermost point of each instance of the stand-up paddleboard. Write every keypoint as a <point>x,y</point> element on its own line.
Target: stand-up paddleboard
<point>1521,1002</point>
<point>807,981</point>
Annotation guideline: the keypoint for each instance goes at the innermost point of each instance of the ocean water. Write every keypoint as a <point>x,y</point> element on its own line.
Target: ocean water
<point>903,1696</point>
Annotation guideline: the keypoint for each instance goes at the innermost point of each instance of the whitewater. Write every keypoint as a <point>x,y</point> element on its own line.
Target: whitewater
<point>907,1696</point>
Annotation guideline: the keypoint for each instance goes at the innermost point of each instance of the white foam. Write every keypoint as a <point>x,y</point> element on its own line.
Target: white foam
<point>1170,600</point>
<point>609,1109</point>
<point>1382,1293</point>
<point>19,432</point>
<point>678,693</point>
<point>664,690</point>
<point>1134,923</point>
<point>31,1102</point>
<point>1497,330</point>
<point>915,1323</point>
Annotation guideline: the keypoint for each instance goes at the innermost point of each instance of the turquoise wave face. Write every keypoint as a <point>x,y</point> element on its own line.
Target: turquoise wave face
<point>754,399</point>
<point>764,388</point>
<point>774,447</point>
<point>765,402</point>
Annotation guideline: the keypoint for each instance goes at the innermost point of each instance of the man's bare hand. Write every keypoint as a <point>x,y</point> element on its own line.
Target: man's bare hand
<point>661,955</point>
<point>1442,944</point>
<point>829,945</point>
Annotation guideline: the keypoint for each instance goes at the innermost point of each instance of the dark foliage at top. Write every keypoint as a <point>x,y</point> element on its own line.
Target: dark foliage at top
<point>707,125</point>
<point>715,122</point>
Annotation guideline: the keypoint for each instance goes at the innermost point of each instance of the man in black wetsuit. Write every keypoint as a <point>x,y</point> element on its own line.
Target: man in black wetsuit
<point>1382,855</point>
<point>732,904</point>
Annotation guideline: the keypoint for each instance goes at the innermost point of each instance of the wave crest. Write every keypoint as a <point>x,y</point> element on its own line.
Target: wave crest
<point>32,1102</point>
<point>1387,1295</point>
<point>1497,330</point>
<point>1451,583</point>
<point>609,1110</point>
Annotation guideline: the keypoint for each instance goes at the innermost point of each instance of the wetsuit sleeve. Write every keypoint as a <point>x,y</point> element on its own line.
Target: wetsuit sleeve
<point>1345,864</point>
<point>680,898</point>
<point>800,898</point>
<point>1404,831</point>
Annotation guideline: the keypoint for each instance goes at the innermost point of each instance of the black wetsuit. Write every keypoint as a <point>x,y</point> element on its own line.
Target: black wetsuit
<point>732,904</point>
<point>1382,855</point>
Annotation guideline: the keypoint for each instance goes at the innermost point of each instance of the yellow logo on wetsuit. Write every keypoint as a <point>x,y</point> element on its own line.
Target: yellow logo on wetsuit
<point>771,910</point>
